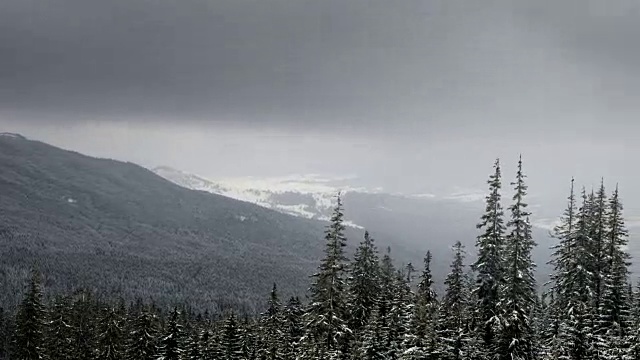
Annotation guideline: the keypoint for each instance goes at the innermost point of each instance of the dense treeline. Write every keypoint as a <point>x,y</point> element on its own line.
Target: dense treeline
<point>366,308</point>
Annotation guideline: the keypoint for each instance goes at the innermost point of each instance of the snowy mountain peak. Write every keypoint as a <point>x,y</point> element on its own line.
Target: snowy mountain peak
<point>310,196</point>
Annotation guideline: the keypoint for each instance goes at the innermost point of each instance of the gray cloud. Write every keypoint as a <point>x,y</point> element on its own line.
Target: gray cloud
<point>423,65</point>
<point>411,94</point>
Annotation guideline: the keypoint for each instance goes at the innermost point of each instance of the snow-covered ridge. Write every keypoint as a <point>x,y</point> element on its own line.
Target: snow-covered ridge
<point>11,135</point>
<point>309,196</point>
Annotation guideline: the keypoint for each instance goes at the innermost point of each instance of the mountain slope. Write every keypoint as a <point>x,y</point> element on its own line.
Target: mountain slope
<point>122,229</point>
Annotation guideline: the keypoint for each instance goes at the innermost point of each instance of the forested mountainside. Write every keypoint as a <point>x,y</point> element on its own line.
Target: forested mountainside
<point>120,230</point>
<point>364,307</point>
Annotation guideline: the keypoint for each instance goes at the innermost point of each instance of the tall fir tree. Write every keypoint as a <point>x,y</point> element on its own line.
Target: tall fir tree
<point>30,321</point>
<point>363,283</point>
<point>421,342</point>
<point>489,264</point>
<point>614,321</point>
<point>326,319</point>
<point>172,342</point>
<point>518,292</point>
<point>272,330</point>
<point>452,326</point>
<point>58,332</point>
<point>110,335</point>
<point>231,342</point>
<point>142,342</point>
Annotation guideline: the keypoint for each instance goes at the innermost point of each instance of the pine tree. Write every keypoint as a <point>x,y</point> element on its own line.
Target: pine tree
<point>231,342</point>
<point>294,330</point>
<point>364,283</point>
<point>576,329</point>
<point>518,291</point>
<point>209,345</point>
<point>489,266</point>
<point>453,318</point>
<point>84,312</point>
<point>193,348</point>
<point>272,330</point>
<point>615,307</point>
<point>110,336</point>
<point>371,344</point>
<point>58,332</point>
<point>421,341</point>
<point>326,318</point>
<point>30,320</point>
<point>634,332</point>
<point>142,343</point>
<point>171,344</point>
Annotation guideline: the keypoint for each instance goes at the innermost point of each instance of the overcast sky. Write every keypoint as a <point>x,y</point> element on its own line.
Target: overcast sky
<point>409,95</point>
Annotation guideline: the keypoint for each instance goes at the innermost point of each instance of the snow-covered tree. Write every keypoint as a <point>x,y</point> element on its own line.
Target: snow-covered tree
<point>489,264</point>
<point>364,283</point>
<point>452,327</point>
<point>326,317</point>
<point>172,343</point>
<point>30,321</point>
<point>142,342</point>
<point>518,290</point>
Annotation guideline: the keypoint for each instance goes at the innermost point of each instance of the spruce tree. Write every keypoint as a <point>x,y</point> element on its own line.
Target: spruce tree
<point>58,332</point>
<point>615,307</point>
<point>294,330</point>
<point>110,336</point>
<point>172,343</point>
<point>364,283</point>
<point>421,341</point>
<point>272,342</point>
<point>452,328</point>
<point>371,344</point>
<point>326,318</point>
<point>231,342</point>
<point>30,321</point>
<point>489,264</point>
<point>518,292</point>
<point>142,342</point>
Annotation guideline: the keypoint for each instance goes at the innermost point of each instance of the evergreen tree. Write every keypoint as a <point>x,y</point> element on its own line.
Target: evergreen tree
<point>30,321</point>
<point>371,344</point>
<point>421,340</point>
<point>518,293</point>
<point>272,330</point>
<point>142,343</point>
<point>326,318</point>
<point>209,345</point>
<point>110,336</point>
<point>576,329</point>
<point>231,342</point>
<point>84,312</point>
<point>193,348</point>
<point>453,317</point>
<point>364,283</point>
<point>171,344</point>
<point>615,307</point>
<point>489,265</point>
<point>58,332</point>
<point>294,330</point>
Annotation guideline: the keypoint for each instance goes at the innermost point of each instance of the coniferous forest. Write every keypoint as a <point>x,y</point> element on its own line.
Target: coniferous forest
<point>367,308</point>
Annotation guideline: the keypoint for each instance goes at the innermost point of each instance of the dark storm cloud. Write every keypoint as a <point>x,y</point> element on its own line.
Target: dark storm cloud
<point>302,62</point>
